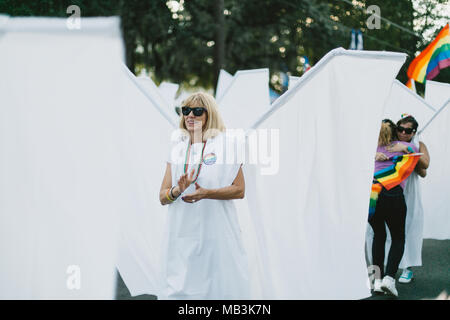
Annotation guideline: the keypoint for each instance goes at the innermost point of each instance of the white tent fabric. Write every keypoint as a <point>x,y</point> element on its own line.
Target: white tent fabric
<point>437,93</point>
<point>60,161</point>
<point>157,95</point>
<point>143,224</point>
<point>435,186</point>
<point>168,91</point>
<point>245,99</point>
<point>223,82</point>
<point>435,195</point>
<point>181,97</point>
<point>292,81</point>
<point>404,100</point>
<point>310,217</point>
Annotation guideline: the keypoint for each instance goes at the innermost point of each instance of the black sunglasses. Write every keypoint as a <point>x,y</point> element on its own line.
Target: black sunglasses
<point>198,111</point>
<point>406,130</point>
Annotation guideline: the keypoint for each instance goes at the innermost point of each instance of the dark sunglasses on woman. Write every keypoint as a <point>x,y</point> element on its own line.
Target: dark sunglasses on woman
<point>198,111</point>
<point>406,130</point>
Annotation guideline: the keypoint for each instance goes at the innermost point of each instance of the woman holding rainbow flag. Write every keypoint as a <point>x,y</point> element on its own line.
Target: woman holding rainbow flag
<point>387,204</point>
<point>406,131</point>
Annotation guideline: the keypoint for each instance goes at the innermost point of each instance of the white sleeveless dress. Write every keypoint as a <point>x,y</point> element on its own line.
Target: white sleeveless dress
<point>204,256</point>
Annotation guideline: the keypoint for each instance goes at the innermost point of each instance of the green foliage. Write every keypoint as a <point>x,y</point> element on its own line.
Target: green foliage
<point>178,40</point>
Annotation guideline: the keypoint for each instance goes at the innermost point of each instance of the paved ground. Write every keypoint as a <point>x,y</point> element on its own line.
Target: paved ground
<point>430,279</point>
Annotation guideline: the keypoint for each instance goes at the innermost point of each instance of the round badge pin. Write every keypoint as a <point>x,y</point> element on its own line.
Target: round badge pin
<point>209,159</point>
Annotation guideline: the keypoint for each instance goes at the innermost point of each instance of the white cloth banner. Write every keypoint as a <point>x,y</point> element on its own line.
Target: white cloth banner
<point>59,158</point>
<point>245,99</point>
<point>310,217</point>
<point>169,91</point>
<point>403,100</point>
<point>223,82</point>
<point>435,188</point>
<point>157,96</point>
<point>437,93</point>
<point>292,81</point>
<point>145,145</point>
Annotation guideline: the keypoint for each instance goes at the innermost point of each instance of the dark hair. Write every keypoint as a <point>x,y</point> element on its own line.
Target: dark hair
<point>393,128</point>
<point>409,119</point>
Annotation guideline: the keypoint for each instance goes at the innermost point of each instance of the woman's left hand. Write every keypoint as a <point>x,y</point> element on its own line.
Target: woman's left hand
<point>199,194</point>
<point>398,147</point>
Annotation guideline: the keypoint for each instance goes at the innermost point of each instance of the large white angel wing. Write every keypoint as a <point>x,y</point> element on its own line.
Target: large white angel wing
<point>60,165</point>
<point>310,215</point>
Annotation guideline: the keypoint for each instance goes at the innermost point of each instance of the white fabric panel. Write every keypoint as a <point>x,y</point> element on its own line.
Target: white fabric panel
<point>159,99</point>
<point>182,96</point>
<point>292,81</point>
<point>223,83</point>
<point>435,190</point>
<point>146,142</point>
<point>435,195</point>
<point>310,217</point>
<point>404,100</point>
<point>168,91</point>
<point>60,161</point>
<point>246,99</point>
<point>412,255</point>
<point>437,93</point>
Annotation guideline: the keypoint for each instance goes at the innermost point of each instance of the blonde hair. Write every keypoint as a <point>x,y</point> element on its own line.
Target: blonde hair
<point>385,137</point>
<point>214,124</point>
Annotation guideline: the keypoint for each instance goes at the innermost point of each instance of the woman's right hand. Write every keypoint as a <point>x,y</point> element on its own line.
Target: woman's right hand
<point>185,181</point>
<point>398,147</point>
<point>380,156</point>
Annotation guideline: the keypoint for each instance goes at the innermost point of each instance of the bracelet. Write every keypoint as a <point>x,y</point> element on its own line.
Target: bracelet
<point>171,193</point>
<point>168,197</point>
<point>410,150</point>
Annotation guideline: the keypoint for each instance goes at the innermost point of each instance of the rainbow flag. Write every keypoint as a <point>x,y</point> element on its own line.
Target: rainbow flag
<point>376,189</point>
<point>411,84</point>
<point>392,176</point>
<point>435,57</point>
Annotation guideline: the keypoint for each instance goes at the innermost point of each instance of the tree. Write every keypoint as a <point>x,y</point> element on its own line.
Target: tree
<point>189,41</point>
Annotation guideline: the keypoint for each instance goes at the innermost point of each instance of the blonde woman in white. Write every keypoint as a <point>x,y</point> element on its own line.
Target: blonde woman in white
<point>204,256</point>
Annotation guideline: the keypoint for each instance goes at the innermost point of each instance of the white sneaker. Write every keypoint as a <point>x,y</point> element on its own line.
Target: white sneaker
<point>377,286</point>
<point>388,286</point>
<point>406,277</point>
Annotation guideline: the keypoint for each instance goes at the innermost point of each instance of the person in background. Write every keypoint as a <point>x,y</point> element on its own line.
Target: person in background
<point>390,210</point>
<point>406,131</point>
